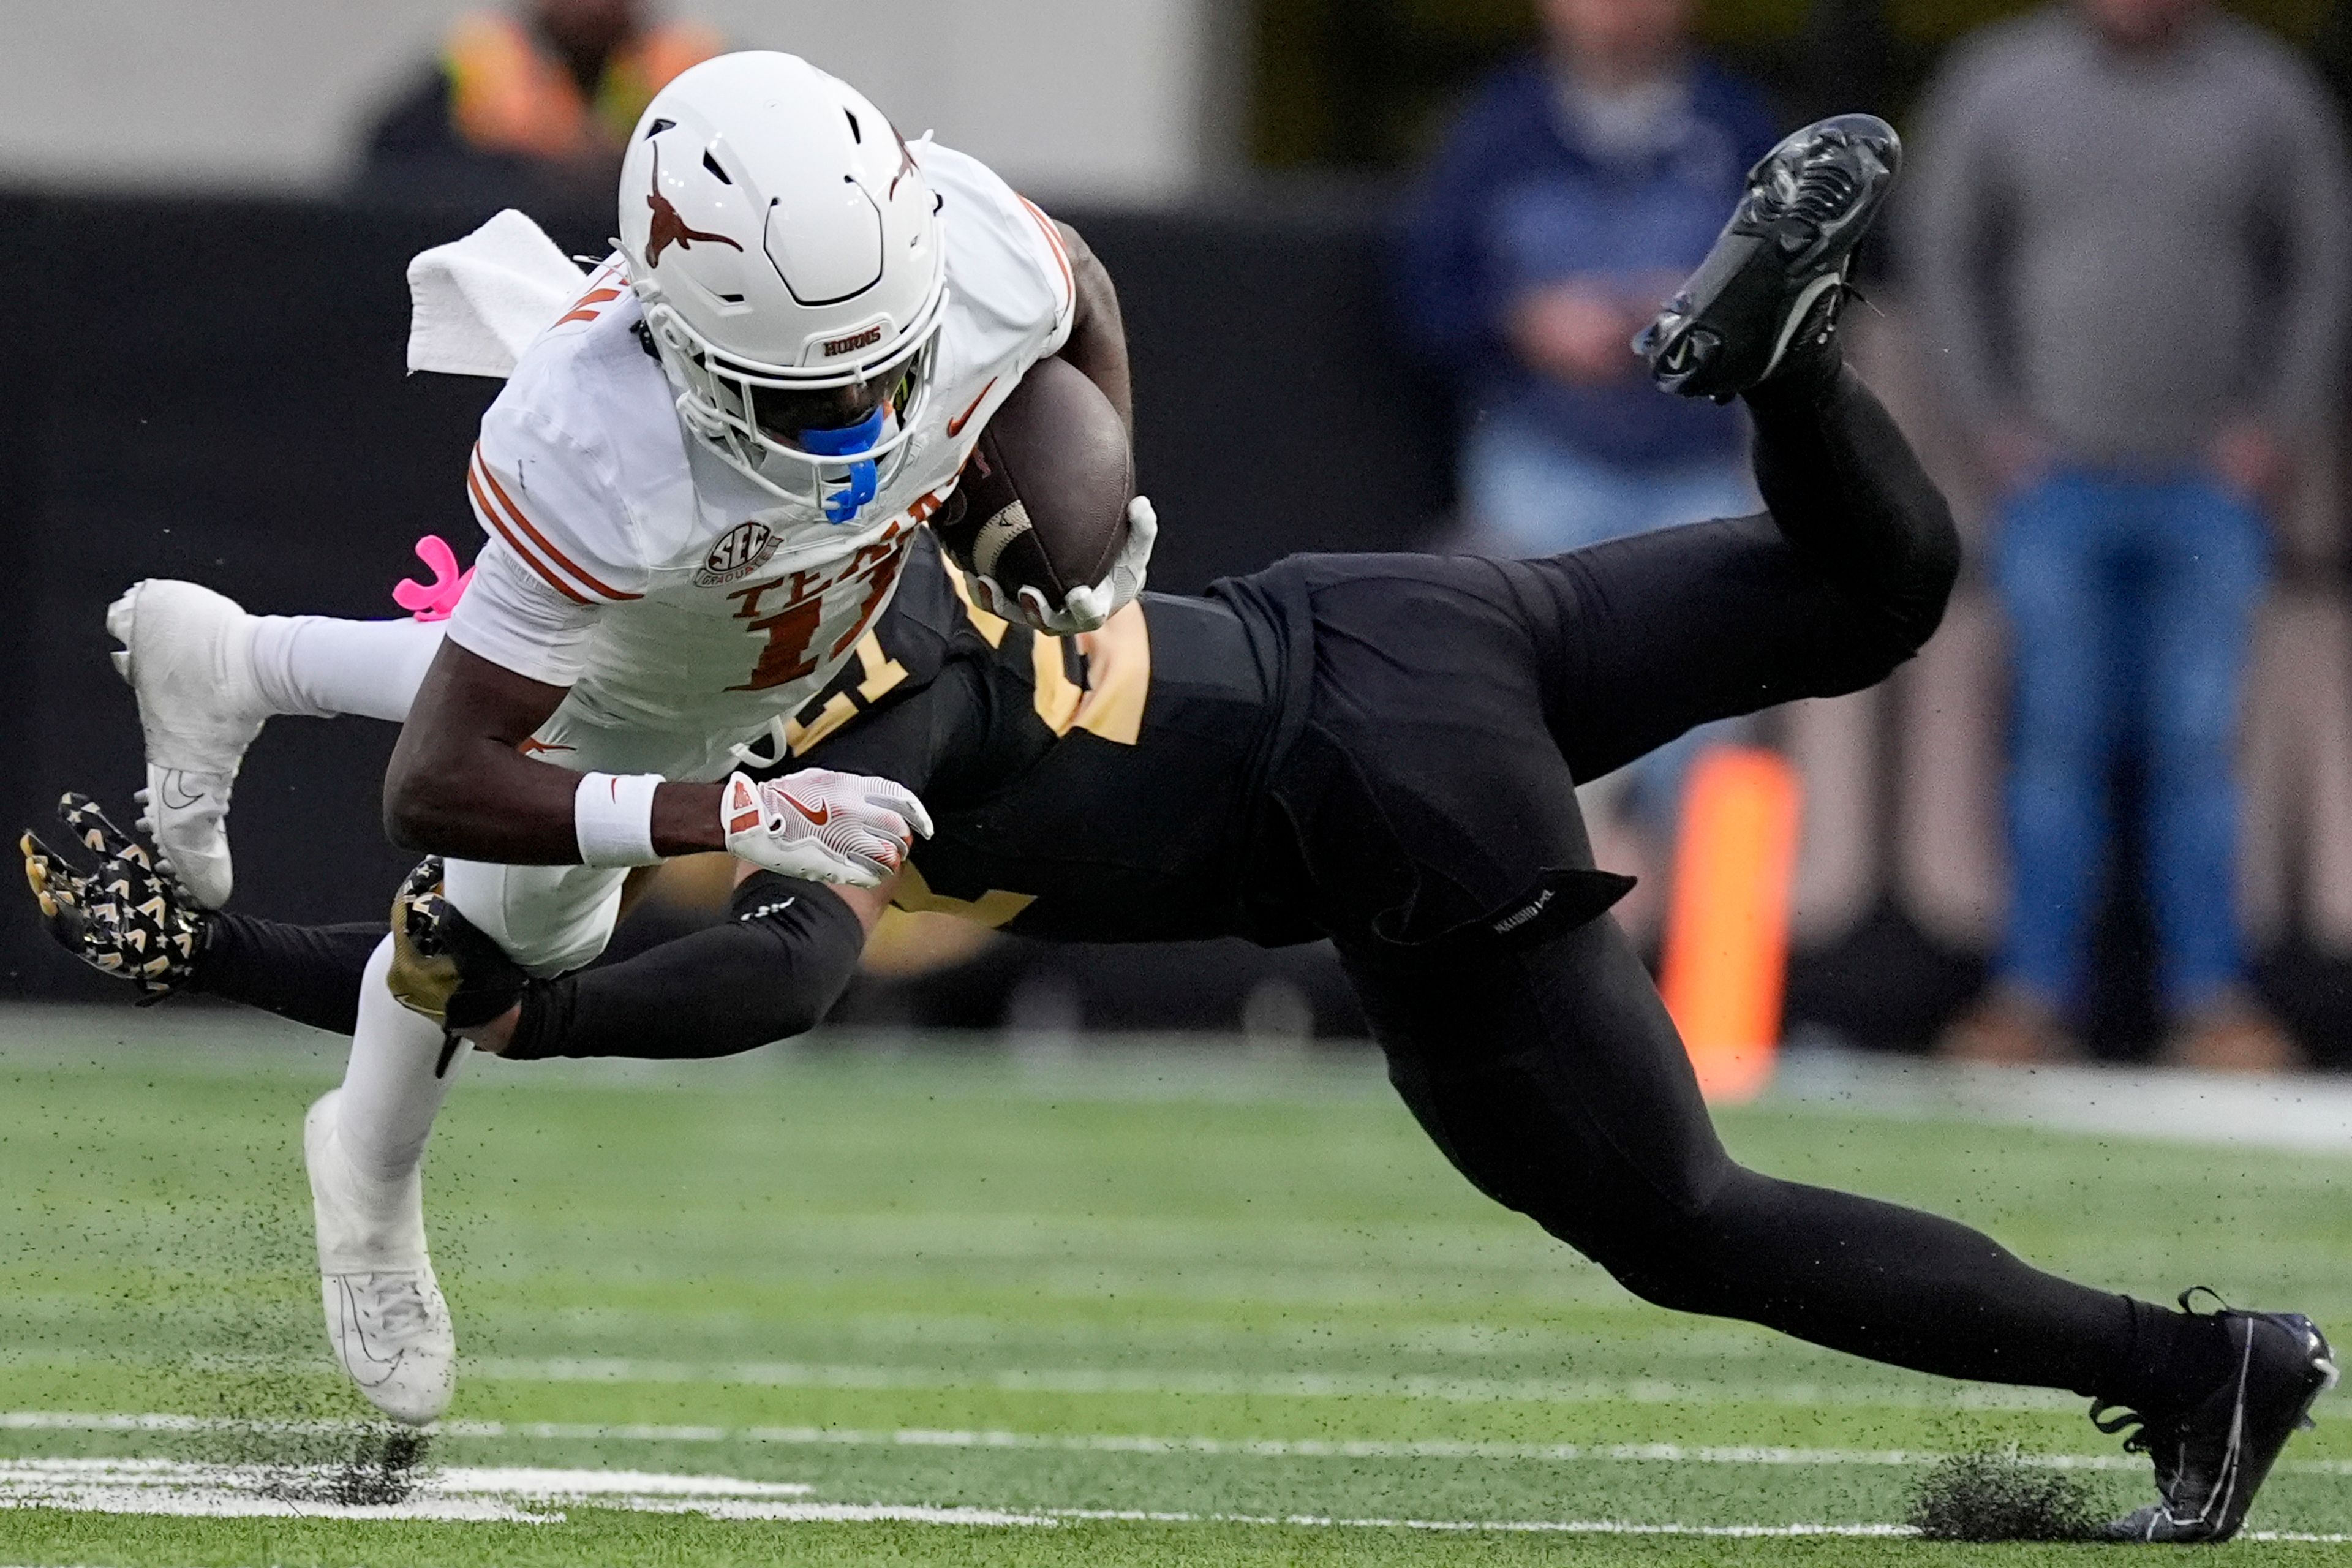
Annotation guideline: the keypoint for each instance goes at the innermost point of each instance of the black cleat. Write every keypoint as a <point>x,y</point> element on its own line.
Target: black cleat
<point>2213,1457</point>
<point>1776,277</point>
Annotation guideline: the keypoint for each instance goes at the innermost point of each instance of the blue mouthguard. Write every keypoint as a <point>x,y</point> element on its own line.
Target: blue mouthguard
<point>863,483</point>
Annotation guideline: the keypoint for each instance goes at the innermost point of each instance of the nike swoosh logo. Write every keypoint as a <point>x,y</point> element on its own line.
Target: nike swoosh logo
<point>1804,307</point>
<point>172,786</point>
<point>956,424</point>
<point>818,815</point>
<point>355,1324</point>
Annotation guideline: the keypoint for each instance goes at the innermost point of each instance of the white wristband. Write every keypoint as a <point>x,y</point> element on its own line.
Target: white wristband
<point>613,816</point>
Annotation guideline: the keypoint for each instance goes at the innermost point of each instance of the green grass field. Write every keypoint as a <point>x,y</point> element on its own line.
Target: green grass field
<point>1104,1309</point>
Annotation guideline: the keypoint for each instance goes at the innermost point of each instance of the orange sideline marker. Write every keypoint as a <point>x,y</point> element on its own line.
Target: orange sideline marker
<point>1727,948</point>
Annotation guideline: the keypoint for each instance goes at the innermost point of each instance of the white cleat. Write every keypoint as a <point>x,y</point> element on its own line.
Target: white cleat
<point>187,653</point>
<point>386,1318</point>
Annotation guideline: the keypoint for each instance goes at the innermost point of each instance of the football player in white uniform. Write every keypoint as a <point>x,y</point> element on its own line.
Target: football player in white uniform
<point>699,489</point>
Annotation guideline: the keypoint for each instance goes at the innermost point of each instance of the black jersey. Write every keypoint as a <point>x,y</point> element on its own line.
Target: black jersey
<point>1103,787</point>
<point>1338,745</point>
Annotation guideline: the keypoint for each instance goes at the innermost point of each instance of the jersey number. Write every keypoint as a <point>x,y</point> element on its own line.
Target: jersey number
<point>784,656</point>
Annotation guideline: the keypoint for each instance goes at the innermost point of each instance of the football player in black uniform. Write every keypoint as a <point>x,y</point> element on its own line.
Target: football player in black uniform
<point>1383,750</point>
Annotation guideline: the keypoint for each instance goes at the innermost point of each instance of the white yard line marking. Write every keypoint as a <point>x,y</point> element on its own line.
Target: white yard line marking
<point>1513,1526</point>
<point>1110,1443</point>
<point>520,1480</point>
<point>530,1495</point>
<point>220,1491</point>
<point>526,1481</point>
<point>849,1513</point>
<point>509,1495</point>
<point>1566,1526</point>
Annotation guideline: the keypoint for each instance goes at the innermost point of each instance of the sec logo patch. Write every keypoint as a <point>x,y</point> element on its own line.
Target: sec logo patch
<point>744,551</point>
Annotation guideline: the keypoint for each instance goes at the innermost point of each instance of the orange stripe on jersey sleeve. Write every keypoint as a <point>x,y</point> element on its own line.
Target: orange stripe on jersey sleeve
<point>498,525</point>
<point>1061,253</point>
<point>581,312</point>
<point>565,562</point>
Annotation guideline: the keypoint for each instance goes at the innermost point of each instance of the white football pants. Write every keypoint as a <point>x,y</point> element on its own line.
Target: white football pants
<point>549,919</point>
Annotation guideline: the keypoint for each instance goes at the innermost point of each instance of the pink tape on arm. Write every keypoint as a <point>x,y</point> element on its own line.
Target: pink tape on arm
<point>437,600</point>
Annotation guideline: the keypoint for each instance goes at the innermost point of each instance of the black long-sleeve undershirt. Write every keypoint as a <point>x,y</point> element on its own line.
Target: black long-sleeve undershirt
<point>774,969</point>
<point>307,973</point>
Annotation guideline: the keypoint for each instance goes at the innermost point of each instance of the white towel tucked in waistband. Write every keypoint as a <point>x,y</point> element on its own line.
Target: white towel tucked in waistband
<point>475,303</point>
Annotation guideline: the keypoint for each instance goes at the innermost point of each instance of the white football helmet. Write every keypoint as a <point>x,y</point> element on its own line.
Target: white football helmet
<point>786,243</point>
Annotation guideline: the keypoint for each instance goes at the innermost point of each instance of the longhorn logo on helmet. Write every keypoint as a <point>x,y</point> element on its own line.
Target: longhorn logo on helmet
<point>669,227</point>
<point>906,162</point>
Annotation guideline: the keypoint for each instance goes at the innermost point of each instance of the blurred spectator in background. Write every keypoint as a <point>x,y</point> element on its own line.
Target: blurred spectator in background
<point>532,105</point>
<point>1577,190</point>
<point>2130,242</point>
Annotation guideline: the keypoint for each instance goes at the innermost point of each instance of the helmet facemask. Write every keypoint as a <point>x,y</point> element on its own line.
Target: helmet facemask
<point>837,468</point>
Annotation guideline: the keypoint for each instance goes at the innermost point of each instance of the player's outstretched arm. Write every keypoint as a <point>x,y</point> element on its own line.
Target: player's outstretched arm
<point>773,970</point>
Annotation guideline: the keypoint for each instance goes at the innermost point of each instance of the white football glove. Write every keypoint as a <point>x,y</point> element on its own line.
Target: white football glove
<point>1086,609</point>
<point>822,826</point>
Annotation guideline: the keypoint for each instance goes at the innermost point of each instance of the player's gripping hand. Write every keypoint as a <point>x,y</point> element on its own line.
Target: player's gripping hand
<point>1082,609</point>
<point>822,826</point>
<point>443,965</point>
<point>129,918</point>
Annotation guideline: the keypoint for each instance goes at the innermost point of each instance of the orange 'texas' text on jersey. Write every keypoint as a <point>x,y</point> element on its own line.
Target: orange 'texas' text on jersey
<point>787,612</point>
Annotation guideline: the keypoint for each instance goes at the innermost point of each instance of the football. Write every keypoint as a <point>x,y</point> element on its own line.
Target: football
<point>1043,502</point>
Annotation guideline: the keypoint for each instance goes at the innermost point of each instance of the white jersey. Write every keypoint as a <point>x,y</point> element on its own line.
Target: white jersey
<point>667,591</point>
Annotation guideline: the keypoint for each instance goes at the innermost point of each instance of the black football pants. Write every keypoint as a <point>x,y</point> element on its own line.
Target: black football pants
<point>1550,1073</point>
